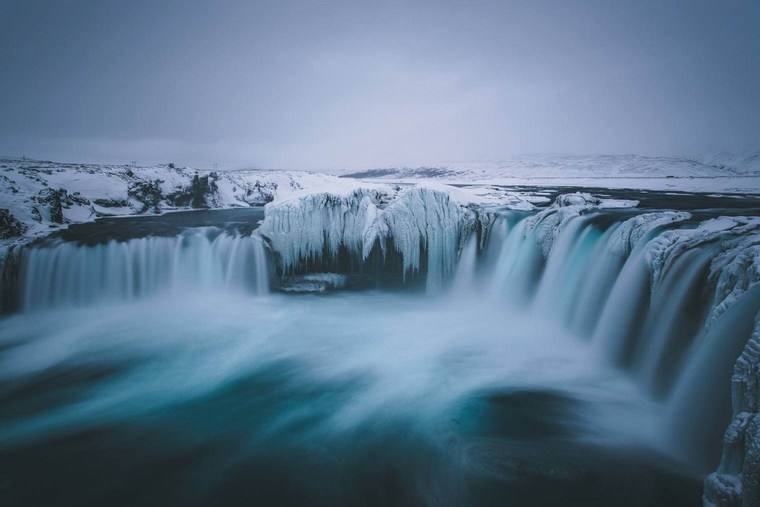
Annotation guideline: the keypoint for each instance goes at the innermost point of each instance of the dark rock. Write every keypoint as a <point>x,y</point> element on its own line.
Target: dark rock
<point>54,199</point>
<point>111,203</point>
<point>197,194</point>
<point>148,193</point>
<point>10,226</point>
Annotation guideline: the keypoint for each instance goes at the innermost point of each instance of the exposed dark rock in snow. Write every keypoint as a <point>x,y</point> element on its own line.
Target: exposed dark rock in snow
<point>111,203</point>
<point>148,193</point>
<point>10,226</point>
<point>198,194</point>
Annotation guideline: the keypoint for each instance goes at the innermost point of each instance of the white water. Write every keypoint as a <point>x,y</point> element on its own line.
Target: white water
<point>311,381</point>
<point>416,365</point>
<point>69,274</point>
<point>638,289</point>
<point>590,287</point>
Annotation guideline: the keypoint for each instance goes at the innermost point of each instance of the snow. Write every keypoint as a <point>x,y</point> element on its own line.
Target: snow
<point>22,182</point>
<point>417,219</point>
<point>717,173</point>
<point>630,232</point>
<point>549,223</point>
<point>735,266</point>
<point>324,210</point>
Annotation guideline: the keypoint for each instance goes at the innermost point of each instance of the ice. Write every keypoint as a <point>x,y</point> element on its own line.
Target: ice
<point>735,268</point>
<point>630,232</point>
<point>549,223</point>
<point>737,480</point>
<point>419,221</point>
<point>313,282</point>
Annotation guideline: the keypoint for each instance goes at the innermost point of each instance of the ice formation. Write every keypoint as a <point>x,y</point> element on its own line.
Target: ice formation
<point>548,224</point>
<point>630,232</point>
<point>734,246</point>
<point>419,222</point>
<point>313,282</point>
<point>736,483</point>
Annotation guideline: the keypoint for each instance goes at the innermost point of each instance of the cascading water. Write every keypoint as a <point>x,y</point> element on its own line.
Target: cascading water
<point>611,296</point>
<point>205,259</point>
<point>503,380</point>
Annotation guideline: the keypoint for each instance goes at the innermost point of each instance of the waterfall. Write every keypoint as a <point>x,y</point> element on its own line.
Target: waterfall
<point>668,297</point>
<point>464,278</point>
<point>700,406</point>
<point>71,274</point>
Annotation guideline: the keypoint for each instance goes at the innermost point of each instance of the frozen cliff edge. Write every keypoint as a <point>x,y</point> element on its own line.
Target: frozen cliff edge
<point>734,246</point>
<point>549,223</point>
<point>736,483</point>
<point>426,226</point>
<point>41,197</point>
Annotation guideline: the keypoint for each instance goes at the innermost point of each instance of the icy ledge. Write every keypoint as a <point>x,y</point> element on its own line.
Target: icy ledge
<point>734,246</point>
<point>736,483</point>
<point>422,225</point>
<point>549,223</point>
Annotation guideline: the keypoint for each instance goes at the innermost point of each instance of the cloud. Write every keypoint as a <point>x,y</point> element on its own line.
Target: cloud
<point>328,84</point>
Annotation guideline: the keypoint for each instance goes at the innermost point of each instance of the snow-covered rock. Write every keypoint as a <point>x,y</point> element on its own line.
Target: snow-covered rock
<point>736,483</point>
<point>633,230</point>
<point>734,243</point>
<point>549,223</point>
<point>422,224</point>
<point>313,282</point>
<point>42,196</point>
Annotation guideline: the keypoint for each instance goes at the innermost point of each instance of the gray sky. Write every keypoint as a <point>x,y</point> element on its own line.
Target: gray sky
<point>320,84</point>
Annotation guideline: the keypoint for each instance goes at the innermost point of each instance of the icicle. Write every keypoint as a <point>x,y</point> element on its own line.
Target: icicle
<point>419,219</point>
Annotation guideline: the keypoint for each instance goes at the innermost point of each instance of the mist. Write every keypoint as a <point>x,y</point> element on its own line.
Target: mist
<point>317,85</point>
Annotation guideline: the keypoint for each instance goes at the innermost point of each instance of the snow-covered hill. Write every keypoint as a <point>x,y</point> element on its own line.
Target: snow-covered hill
<point>38,197</point>
<point>718,173</point>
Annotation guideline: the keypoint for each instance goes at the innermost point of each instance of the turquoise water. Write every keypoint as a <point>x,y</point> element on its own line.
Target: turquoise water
<point>369,398</point>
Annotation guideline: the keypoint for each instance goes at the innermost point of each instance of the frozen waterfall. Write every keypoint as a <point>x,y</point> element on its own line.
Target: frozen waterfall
<point>424,226</point>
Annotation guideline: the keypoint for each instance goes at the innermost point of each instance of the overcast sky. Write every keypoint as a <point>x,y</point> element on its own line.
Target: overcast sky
<point>327,84</point>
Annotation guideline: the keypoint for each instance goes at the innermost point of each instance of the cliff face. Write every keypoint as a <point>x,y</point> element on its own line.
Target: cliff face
<point>425,226</point>
<point>737,480</point>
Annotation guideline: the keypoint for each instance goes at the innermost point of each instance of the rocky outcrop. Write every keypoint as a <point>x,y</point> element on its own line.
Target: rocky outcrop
<point>196,195</point>
<point>59,199</point>
<point>148,193</point>
<point>10,226</point>
<point>10,257</point>
<point>736,483</point>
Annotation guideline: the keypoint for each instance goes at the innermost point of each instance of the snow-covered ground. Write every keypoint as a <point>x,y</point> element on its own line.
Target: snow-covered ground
<point>717,173</point>
<point>38,197</point>
<point>44,196</point>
